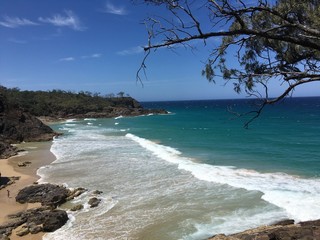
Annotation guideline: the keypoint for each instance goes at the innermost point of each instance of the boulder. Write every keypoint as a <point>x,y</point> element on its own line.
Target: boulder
<point>54,220</point>
<point>76,207</point>
<point>94,202</point>
<point>97,192</point>
<point>46,194</point>
<point>76,193</point>
<point>34,229</point>
<point>22,231</point>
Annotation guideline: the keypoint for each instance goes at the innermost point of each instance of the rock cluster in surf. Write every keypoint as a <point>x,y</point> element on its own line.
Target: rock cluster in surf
<point>46,218</point>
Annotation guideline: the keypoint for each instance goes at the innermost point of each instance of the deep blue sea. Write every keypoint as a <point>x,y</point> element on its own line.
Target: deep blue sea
<point>192,173</point>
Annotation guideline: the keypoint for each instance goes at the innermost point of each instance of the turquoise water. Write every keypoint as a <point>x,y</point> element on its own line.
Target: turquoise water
<point>285,138</point>
<point>192,173</point>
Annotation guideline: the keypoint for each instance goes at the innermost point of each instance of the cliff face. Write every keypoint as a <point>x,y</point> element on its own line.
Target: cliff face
<point>17,126</point>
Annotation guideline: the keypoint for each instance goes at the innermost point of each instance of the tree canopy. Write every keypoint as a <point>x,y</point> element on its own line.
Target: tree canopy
<point>273,41</point>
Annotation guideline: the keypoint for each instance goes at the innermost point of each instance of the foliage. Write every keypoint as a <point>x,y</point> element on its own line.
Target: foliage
<point>272,41</point>
<point>62,103</point>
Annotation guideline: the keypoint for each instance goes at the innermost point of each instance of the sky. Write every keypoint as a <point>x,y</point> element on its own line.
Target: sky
<point>96,46</point>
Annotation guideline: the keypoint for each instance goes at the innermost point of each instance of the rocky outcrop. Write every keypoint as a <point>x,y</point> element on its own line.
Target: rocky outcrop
<point>34,221</point>
<point>7,150</point>
<point>44,219</point>
<point>46,194</point>
<point>284,230</point>
<point>17,126</point>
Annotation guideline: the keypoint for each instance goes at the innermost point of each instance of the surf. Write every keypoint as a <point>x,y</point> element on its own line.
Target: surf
<point>297,196</point>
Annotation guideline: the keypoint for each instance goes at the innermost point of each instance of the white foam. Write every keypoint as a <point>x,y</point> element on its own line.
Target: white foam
<point>299,197</point>
<point>71,120</point>
<point>118,117</point>
<point>90,119</point>
<point>229,224</point>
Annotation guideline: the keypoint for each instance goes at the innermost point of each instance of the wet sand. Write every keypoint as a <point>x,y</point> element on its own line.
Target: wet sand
<point>39,155</point>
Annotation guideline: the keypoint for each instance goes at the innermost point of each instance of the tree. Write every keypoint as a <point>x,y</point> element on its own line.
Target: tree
<point>120,94</point>
<point>273,41</point>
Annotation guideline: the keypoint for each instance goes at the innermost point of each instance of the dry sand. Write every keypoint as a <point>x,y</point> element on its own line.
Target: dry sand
<point>39,155</point>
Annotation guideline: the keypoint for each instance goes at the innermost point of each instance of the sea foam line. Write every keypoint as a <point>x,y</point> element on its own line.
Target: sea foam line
<point>299,197</point>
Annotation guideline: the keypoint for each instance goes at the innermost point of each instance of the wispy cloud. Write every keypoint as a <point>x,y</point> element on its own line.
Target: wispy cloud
<point>13,40</point>
<point>14,22</point>
<point>117,10</point>
<point>68,20</point>
<point>70,59</point>
<point>95,55</point>
<point>131,51</point>
<point>67,59</point>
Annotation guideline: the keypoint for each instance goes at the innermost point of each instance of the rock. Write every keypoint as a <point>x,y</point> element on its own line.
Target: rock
<point>77,207</point>
<point>4,237</point>
<point>22,231</point>
<point>54,220</point>
<point>22,164</point>
<point>284,222</point>
<point>7,150</point>
<point>76,193</point>
<point>34,229</point>
<point>94,202</point>
<point>283,230</point>
<point>97,192</point>
<point>5,231</point>
<point>17,126</point>
<point>46,194</point>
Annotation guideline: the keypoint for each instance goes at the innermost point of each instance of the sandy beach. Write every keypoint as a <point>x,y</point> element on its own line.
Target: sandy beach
<point>38,154</point>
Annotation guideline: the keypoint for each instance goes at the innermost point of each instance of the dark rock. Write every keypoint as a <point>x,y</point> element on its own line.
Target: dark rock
<point>77,207</point>
<point>4,237</point>
<point>76,193</point>
<point>94,202</point>
<point>34,229</point>
<point>54,220</point>
<point>284,230</point>
<point>17,126</point>
<point>4,180</point>
<point>7,150</point>
<point>97,192</point>
<point>284,222</point>
<point>46,194</point>
<point>50,220</point>
<point>22,164</point>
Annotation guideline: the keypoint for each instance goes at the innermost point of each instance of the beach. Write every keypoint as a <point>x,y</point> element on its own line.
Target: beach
<point>38,154</point>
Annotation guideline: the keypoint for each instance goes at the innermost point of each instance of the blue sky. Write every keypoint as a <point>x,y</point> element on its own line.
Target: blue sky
<point>95,45</point>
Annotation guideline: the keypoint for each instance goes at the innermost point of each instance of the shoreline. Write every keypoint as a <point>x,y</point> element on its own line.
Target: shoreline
<point>38,154</point>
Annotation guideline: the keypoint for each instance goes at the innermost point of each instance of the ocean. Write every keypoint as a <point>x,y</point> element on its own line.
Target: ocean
<point>191,174</point>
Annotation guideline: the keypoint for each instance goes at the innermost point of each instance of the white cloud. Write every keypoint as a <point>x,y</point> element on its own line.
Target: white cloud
<point>131,51</point>
<point>14,22</point>
<point>69,20</point>
<point>67,59</point>
<point>95,55</point>
<point>110,8</point>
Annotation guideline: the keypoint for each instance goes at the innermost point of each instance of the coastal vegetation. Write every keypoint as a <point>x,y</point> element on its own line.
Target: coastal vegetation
<point>257,44</point>
<point>20,110</point>
<point>59,103</point>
